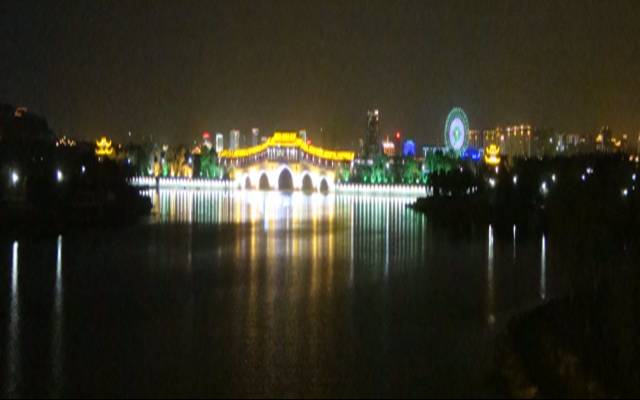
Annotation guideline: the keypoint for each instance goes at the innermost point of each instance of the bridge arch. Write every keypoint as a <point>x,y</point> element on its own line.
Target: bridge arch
<point>263,181</point>
<point>285,180</point>
<point>306,184</point>
<point>324,185</point>
<point>267,175</point>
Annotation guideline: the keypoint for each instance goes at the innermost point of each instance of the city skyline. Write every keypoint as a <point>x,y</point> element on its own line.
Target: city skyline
<point>175,72</point>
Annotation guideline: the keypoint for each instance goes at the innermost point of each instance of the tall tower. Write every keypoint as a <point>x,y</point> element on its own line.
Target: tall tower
<point>255,136</point>
<point>219,142</point>
<point>372,139</point>
<point>234,139</point>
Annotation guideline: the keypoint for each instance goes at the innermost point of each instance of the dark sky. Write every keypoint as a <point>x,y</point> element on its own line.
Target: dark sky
<point>176,68</point>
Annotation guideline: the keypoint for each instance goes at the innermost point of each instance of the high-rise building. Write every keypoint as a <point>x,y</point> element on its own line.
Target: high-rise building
<point>302,134</point>
<point>255,136</point>
<point>397,142</point>
<point>372,138</point>
<point>517,142</point>
<point>514,141</point>
<point>219,142</point>
<point>603,140</point>
<point>475,139</point>
<point>234,139</point>
<point>206,140</point>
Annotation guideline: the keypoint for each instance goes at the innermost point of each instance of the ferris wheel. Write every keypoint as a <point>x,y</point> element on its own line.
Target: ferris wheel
<point>456,131</point>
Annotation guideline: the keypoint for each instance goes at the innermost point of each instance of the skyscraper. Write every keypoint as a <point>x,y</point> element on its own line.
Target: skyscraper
<point>234,139</point>
<point>372,139</point>
<point>219,142</point>
<point>255,136</point>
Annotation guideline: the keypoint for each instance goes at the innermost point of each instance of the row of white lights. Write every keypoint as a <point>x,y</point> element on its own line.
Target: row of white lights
<point>544,186</point>
<point>181,182</point>
<point>206,183</point>
<point>15,177</point>
<point>362,188</point>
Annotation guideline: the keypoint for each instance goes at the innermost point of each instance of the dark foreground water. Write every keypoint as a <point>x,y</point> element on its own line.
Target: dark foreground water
<point>263,294</point>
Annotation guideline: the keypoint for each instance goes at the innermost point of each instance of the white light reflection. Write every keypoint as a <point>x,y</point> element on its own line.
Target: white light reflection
<point>58,325</point>
<point>543,268</point>
<point>352,229</point>
<point>13,352</point>
<point>491,318</point>
<point>515,235</point>
<point>386,247</point>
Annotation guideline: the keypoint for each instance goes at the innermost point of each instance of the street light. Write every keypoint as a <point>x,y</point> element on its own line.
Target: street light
<point>59,176</point>
<point>14,178</point>
<point>543,188</point>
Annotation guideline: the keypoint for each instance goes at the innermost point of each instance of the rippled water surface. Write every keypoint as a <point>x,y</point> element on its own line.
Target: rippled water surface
<point>263,294</point>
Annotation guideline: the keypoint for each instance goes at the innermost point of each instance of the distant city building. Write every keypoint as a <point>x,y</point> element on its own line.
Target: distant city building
<point>372,137</point>
<point>219,142</point>
<point>571,144</point>
<point>513,141</point>
<point>206,140</point>
<point>388,148</point>
<point>432,149</point>
<point>255,136</point>
<point>397,142</point>
<point>475,139</point>
<point>546,142</point>
<point>302,134</point>
<point>409,148</point>
<point>607,142</point>
<point>603,140</point>
<point>517,141</point>
<point>234,139</point>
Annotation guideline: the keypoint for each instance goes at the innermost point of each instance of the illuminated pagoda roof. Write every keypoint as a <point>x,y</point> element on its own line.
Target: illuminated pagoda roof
<point>288,140</point>
<point>103,147</point>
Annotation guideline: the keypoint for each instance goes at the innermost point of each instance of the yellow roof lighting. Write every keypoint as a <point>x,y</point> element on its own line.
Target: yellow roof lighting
<point>289,140</point>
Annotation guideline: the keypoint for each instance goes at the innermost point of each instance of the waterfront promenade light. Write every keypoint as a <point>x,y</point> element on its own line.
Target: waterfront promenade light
<point>14,178</point>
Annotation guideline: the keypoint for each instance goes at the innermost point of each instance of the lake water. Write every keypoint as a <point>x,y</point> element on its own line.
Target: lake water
<point>263,294</point>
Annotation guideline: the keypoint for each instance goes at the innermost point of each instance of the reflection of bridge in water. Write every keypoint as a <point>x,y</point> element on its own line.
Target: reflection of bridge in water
<point>367,230</point>
<point>285,162</point>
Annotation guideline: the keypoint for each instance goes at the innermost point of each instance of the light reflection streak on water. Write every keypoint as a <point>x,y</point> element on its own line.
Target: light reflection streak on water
<point>386,252</point>
<point>13,352</point>
<point>491,318</point>
<point>543,268</point>
<point>327,217</point>
<point>515,231</point>
<point>58,325</point>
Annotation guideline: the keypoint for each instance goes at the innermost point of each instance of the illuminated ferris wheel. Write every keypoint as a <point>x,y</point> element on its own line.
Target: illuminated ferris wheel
<point>456,131</point>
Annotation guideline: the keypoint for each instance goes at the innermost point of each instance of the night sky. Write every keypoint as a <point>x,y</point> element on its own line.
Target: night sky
<point>176,68</point>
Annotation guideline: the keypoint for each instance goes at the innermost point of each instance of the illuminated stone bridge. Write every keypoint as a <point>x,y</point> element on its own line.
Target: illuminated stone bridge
<point>285,162</point>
